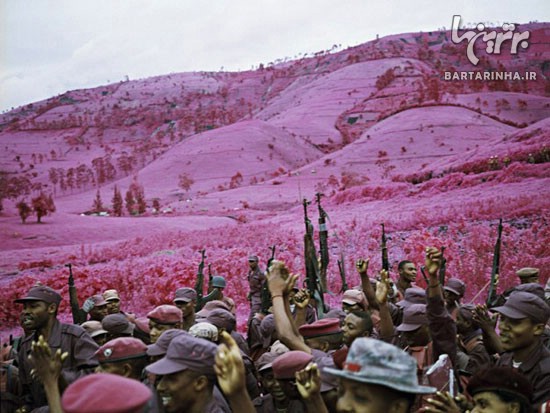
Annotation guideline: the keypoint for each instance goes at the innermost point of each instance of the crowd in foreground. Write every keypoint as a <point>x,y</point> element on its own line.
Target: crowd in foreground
<point>391,348</point>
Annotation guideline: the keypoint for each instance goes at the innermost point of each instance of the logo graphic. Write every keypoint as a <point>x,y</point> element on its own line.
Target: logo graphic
<point>492,39</point>
<point>107,352</point>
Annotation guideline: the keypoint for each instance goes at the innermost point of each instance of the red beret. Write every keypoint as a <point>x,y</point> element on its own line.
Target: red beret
<point>289,363</point>
<point>122,348</point>
<point>323,327</point>
<point>115,394</point>
<point>166,314</point>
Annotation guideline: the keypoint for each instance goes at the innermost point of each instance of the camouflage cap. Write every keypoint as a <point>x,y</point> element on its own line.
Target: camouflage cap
<point>111,295</point>
<point>204,330</point>
<point>376,362</point>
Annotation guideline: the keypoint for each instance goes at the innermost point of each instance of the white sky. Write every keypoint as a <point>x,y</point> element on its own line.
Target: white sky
<point>50,46</point>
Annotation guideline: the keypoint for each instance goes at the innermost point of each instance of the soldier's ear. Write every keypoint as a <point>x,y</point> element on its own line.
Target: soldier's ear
<point>52,308</point>
<point>538,329</point>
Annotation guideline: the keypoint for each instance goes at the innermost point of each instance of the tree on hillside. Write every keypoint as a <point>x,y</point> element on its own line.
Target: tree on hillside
<point>185,182</point>
<point>43,205</point>
<point>24,210</point>
<point>138,194</point>
<point>117,202</point>
<point>130,201</point>
<point>98,203</point>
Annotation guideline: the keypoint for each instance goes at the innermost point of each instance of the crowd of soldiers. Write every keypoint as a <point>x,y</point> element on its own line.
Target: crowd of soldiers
<point>391,347</point>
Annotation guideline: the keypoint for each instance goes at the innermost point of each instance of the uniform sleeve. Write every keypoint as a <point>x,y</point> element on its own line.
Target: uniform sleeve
<point>442,329</point>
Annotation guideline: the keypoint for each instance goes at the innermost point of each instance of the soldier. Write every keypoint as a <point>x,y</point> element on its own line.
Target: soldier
<point>96,331</point>
<point>40,306</point>
<point>125,356</point>
<point>453,291</point>
<point>113,304</point>
<point>96,307</point>
<point>117,325</point>
<point>256,279</point>
<point>218,283</point>
<point>407,277</point>
<point>162,318</point>
<point>522,321</point>
<point>188,377</point>
<point>186,300</point>
<point>528,275</point>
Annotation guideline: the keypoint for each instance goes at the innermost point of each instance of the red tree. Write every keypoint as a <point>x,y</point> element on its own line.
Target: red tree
<point>98,203</point>
<point>117,202</point>
<point>43,205</point>
<point>24,210</point>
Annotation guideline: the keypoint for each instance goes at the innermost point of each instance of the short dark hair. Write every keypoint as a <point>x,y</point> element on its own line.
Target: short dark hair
<point>366,318</point>
<point>403,263</point>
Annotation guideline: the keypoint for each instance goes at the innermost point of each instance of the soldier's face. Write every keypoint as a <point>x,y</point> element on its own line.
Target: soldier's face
<point>35,314</point>
<point>517,334</point>
<point>98,313</point>
<point>178,391</point>
<point>156,329</point>
<point>186,308</point>
<point>113,306</point>
<point>487,402</point>
<point>353,327</point>
<point>408,272</point>
<point>357,397</point>
<point>253,265</point>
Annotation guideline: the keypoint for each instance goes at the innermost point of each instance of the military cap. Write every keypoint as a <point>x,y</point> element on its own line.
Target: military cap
<point>532,288</point>
<point>120,349</point>
<point>467,311</point>
<point>414,317</point>
<point>337,313</point>
<point>265,361</point>
<point>186,352</point>
<point>98,300</point>
<point>160,347</point>
<point>525,305</point>
<point>204,330</point>
<point>165,314</point>
<point>222,319</point>
<point>117,324</point>
<point>111,392</point>
<point>323,327</point>
<point>287,364</point>
<point>185,294</point>
<point>502,379</point>
<point>527,272</point>
<point>413,295</point>
<point>111,295</point>
<point>93,328</point>
<point>142,323</point>
<point>253,258</point>
<point>376,362</point>
<point>352,297</point>
<point>455,286</point>
<point>41,293</point>
<point>212,305</point>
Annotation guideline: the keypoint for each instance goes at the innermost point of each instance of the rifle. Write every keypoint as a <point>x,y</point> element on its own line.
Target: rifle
<point>442,268</point>
<point>78,315</point>
<point>312,265</point>
<point>199,285</point>
<point>385,262</point>
<point>492,296</point>
<point>323,243</point>
<point>342,270</point>
<point>265,295</point>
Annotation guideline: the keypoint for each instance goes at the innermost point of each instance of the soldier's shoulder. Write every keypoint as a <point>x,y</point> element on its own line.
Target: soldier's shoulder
<point>72,330</point>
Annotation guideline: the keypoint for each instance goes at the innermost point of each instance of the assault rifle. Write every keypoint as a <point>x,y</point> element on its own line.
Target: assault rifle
<point>342,270</point>
<point>323,243</point>
<point>492,296</point>
<point>79,316</point>
<point>442,267</point>
<point>312,280</point>
<point>199,285</point>
<point>384,248</point>
<point>265,295</point>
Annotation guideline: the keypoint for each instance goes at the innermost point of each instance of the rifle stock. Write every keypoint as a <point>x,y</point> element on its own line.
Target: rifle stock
<point>492,296</point>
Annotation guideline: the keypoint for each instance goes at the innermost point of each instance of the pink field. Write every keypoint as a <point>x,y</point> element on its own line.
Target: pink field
<point>374,127</point>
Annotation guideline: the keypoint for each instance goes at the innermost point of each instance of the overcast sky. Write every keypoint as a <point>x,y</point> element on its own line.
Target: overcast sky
<point>50,46</point>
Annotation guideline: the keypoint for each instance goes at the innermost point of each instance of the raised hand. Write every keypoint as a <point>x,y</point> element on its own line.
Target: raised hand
<point>433,260</point>
<point>277,277</point>
<point>229,366</point>
<point>308,381</point>
<point>362,265</point>
<point>301,299</point>
<point>46,366</point>
<point>442,403</point>
<point>383,287</point>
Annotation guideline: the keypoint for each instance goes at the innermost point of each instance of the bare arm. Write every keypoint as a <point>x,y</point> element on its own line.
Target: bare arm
<point>362,267</point>
<point>386,323</point>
